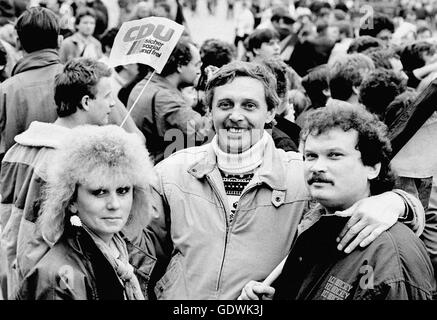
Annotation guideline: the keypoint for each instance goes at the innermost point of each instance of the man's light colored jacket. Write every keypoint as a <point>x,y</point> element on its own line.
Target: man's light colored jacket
<point>210,258</point>
<point>23,174</point>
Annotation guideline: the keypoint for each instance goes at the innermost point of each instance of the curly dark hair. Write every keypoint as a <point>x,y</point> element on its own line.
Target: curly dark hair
<point>348,72</point>
<point>363,43</point>
<point>373,142</point>
<point>108,37</point>
<point>215,52</point>
<point>379,89</point>
<point>279,70</point>
<point>380,22</point>
<point>412,54</point>
<point>314,83</point>
<point>399,105</point>
<point>381,57</point>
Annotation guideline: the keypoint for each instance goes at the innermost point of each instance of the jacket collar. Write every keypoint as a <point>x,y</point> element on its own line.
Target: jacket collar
<point>106,284</point>
<point>36,60</point>
<point>42,134</point>
<point>270,172</point>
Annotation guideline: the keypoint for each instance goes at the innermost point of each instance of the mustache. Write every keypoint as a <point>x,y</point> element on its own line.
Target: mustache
<point>318,177</point>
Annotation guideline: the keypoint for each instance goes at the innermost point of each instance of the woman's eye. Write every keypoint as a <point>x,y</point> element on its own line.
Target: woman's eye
<point>123,190</point>
<point>98,192</point>
<point>309,156</point>
<point>335,155</point>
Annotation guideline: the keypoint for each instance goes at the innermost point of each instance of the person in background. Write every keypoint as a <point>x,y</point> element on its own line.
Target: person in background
<point>419,60</point>
<point>27,95</point>
<point>3,63</point>
<point>316,85</point>
<point>380,27</point>
<point>142,9</point>
<point>82,43</point>
<point>347,74</point>
<point>285,132</point>
<point>424,33</point>
<point>245,22</point>
<point>162,111</point>
<point>379,89</point>
<point>363,43</point>
<point>123,74</point>
<point>214,53</point>
<point>263,44</point>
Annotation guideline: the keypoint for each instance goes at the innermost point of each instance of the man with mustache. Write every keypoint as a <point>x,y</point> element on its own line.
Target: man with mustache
<point>228,211</point>
<point>318,177</point>
<point>346,159</point>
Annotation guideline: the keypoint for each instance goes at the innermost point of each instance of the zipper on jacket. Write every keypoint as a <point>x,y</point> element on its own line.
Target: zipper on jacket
<point>227,228</point>
<point>241,196</point>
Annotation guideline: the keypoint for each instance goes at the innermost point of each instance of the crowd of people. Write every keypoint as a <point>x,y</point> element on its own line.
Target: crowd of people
<point>294,163</point>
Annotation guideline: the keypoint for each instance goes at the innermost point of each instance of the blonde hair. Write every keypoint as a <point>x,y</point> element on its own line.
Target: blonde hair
<point>95,150</point>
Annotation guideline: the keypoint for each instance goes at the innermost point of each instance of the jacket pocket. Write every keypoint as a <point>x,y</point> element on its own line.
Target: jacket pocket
<point>172,284</point>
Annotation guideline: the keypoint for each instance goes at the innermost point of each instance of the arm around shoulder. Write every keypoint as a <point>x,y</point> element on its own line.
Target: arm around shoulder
<point>414,215</point>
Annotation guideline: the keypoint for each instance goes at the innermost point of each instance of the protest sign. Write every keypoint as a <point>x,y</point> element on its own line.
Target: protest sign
<point>149,41</point>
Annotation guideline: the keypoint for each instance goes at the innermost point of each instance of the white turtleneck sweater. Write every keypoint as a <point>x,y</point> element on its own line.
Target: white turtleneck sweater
<point>237,169</point>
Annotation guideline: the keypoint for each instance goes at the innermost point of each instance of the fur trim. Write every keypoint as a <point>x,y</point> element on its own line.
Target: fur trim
<point>91,149</point>
<point>42,134</point>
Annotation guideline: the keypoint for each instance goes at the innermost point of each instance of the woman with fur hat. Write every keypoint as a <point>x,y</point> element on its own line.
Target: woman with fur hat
<point>95,200</point>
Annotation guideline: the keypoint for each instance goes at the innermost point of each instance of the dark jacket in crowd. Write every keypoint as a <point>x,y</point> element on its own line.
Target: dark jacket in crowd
<point>75,269</point>
<point>28,95</point>
<point>406,124</point>
<point>283,141</point>
<point>160,108</point>
<point>310,54</point>
<point>291,129</point>
<point>395,266</point>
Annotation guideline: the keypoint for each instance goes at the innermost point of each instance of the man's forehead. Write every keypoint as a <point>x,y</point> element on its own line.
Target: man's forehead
<point>103,85</point>
<point>238,81</point>
<point>241,88</point>
<point>331,138</point>
<point>272,40</point>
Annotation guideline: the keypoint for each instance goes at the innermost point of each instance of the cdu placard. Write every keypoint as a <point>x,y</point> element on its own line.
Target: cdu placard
<point>149,41</point>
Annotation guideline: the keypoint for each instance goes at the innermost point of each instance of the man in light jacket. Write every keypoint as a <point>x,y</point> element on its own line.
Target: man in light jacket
<point>228,211</point>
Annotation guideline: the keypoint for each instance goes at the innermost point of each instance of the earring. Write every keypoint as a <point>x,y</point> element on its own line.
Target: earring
<point>75,221</point>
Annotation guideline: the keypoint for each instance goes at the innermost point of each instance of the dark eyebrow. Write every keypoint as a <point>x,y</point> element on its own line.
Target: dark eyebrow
<point>225,100</point>
<point>335,149</point>
<point>250,100</point>
<point>97,188</point>
<point>308,151</point>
